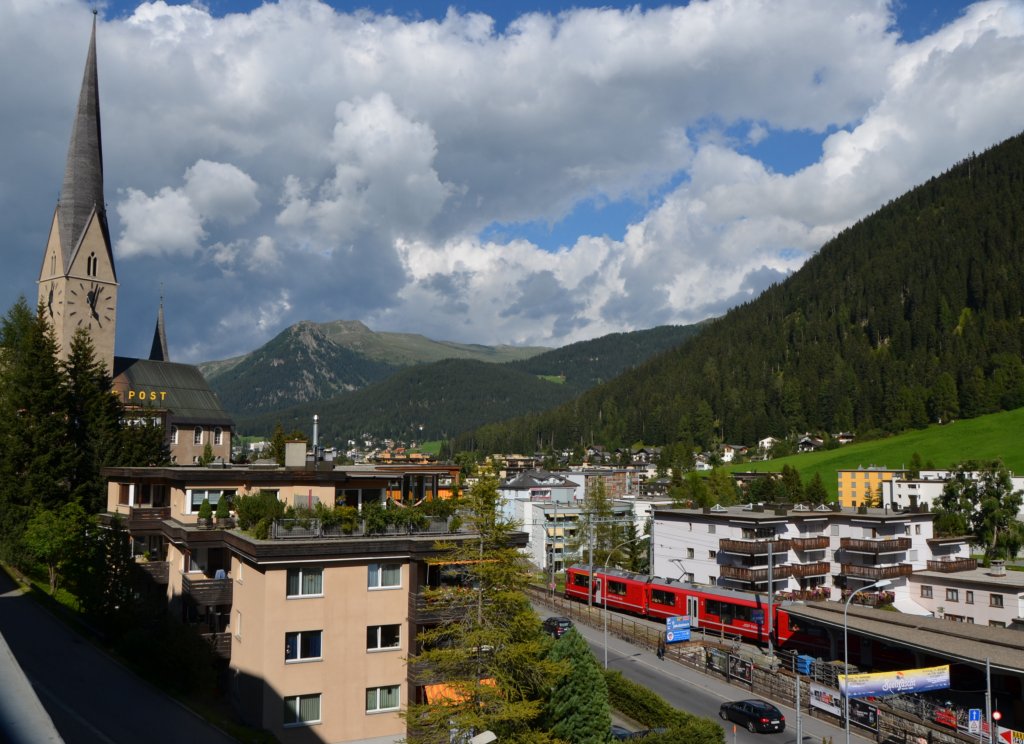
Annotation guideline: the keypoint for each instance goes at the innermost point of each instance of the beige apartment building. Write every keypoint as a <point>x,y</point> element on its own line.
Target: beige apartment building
<point>315,625</point>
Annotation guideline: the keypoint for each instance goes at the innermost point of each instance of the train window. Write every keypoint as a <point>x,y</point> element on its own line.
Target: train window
<point>581,580</point>
<point>661,597</point>
<point>714,607</point>
<point>617,587</point>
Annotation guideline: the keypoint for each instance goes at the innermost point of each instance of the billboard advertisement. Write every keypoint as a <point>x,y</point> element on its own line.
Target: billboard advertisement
<point>677,629</point>
<point>863,715</point>
<point>827,699</point>
<point>874,684</point>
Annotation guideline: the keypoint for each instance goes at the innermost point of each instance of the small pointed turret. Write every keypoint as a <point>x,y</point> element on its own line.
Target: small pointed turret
<point>159,351</point>
<point>82,191</point>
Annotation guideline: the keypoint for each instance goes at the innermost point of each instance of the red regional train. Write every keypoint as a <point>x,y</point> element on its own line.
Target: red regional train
<point>720,611</point>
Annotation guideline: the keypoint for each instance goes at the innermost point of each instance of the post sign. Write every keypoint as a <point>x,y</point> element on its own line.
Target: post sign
<point>677,629</point>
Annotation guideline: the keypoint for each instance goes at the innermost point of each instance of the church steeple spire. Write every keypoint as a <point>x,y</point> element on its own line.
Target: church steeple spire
<point>158,353</point>
<point>82,190</point>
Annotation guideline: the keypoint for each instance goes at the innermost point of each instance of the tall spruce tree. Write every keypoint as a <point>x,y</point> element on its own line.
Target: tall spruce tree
<point>93,422</point>
<point>491,654</point>
<point>35,453</point>
<point>577,709</point>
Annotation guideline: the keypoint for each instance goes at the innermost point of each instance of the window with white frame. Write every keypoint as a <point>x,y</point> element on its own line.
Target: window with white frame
<point>197,435</point>
<point>174,434</point>
<point>196,496</point>
<point>218,436</point>
<point>381,699</point>
<point>712,555</point>
<point>304,645</point>
<point>712,528</point>
<point>301,710</point>
<point>305,582</point>
<point>384,576</point>
<point>383,637</point>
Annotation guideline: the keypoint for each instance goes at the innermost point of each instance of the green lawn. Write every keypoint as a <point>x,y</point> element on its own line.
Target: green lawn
<point>996,436</point>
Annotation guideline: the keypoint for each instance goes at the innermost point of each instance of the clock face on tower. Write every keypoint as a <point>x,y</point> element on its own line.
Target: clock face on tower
<point>53,300</point>
<point>89,306</point>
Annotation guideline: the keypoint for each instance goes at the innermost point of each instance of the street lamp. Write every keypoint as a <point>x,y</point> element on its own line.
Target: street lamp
<point>846,648</point>
<point>604,591</point>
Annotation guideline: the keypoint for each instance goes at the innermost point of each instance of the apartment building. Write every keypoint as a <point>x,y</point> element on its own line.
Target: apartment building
<point>315,624</point>
<point>799,551</point>
<point>964,592</point>
<point>865,485</point>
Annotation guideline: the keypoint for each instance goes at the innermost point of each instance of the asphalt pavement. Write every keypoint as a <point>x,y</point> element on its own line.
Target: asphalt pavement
<point>86,695</point>
<point>693,691</point>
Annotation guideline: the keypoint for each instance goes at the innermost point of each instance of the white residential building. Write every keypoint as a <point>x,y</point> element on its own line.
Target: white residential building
<point>810,554</point>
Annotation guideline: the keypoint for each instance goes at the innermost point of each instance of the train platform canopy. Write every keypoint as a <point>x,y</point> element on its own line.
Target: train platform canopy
<point>971,644</point>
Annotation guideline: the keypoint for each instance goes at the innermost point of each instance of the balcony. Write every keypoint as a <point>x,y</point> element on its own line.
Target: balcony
<point>803,570</point>
<point>207,592</point>
<point>876,573</point>
<point>442,605</point>
<point>157,571</point>
<point>810,543</point>
<point>875,546</point>
<point>953,565</point>
<point>147,517</point>
<point>742,573</point>
<point>754,547</point>
<point>220,644</point>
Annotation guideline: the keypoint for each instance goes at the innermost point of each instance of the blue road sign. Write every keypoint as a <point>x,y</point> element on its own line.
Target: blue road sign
<point>974,720</point>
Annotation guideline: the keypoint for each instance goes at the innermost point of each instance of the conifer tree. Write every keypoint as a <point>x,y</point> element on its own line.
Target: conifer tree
<point>93,421</point>
<point>491,654</point>
<point>35,454</point>
<point>577,710</point>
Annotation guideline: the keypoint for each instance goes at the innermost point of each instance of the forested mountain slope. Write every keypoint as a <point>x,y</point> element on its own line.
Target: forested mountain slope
<point>442,399</point>
<point>912,315</point>
<point>310,362</point>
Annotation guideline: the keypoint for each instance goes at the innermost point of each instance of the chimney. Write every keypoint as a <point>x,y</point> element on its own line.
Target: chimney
<point>295,454</point>
<point>997,568</point>
<point>316,431</point>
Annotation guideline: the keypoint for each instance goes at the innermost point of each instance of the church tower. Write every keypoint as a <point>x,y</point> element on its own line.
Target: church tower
<point>77,281</point>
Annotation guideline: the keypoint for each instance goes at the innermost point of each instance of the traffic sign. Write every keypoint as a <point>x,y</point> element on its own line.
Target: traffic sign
<point>974,720</point>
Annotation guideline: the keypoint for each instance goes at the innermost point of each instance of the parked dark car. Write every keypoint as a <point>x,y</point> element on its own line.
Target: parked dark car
<point>756,715</point>
<point>619,733</point>
<point>557,626</point>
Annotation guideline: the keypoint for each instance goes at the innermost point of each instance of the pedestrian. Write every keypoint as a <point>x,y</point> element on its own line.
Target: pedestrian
<point>661,647</point>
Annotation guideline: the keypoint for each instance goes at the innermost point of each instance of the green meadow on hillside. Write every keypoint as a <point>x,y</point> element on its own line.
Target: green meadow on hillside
<point>996,436</point>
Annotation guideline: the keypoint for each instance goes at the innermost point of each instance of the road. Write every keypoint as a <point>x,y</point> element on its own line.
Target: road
<point>698,693</point>
<point>91,698</point>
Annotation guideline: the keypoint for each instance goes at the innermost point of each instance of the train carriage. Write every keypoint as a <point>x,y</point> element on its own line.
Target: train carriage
<point>719,611</point>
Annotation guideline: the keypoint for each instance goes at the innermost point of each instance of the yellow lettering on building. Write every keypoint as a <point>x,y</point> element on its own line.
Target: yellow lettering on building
<point>146,395</point>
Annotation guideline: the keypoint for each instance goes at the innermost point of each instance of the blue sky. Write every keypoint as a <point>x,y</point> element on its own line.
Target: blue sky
<point>524,173</point>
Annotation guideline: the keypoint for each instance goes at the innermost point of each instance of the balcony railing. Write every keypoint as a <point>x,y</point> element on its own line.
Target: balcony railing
<point>141,517</point>
<point>810,543</point>
<point>754,547</point>
<point>876,573</point>
<point>207,592</point>
<point>742,573</point>
<point>803,570</point>
<point>220,643</point>
<point>443,605</point>
<point>953,565</point>
<point>888,545</point>
<point>157,571</point>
